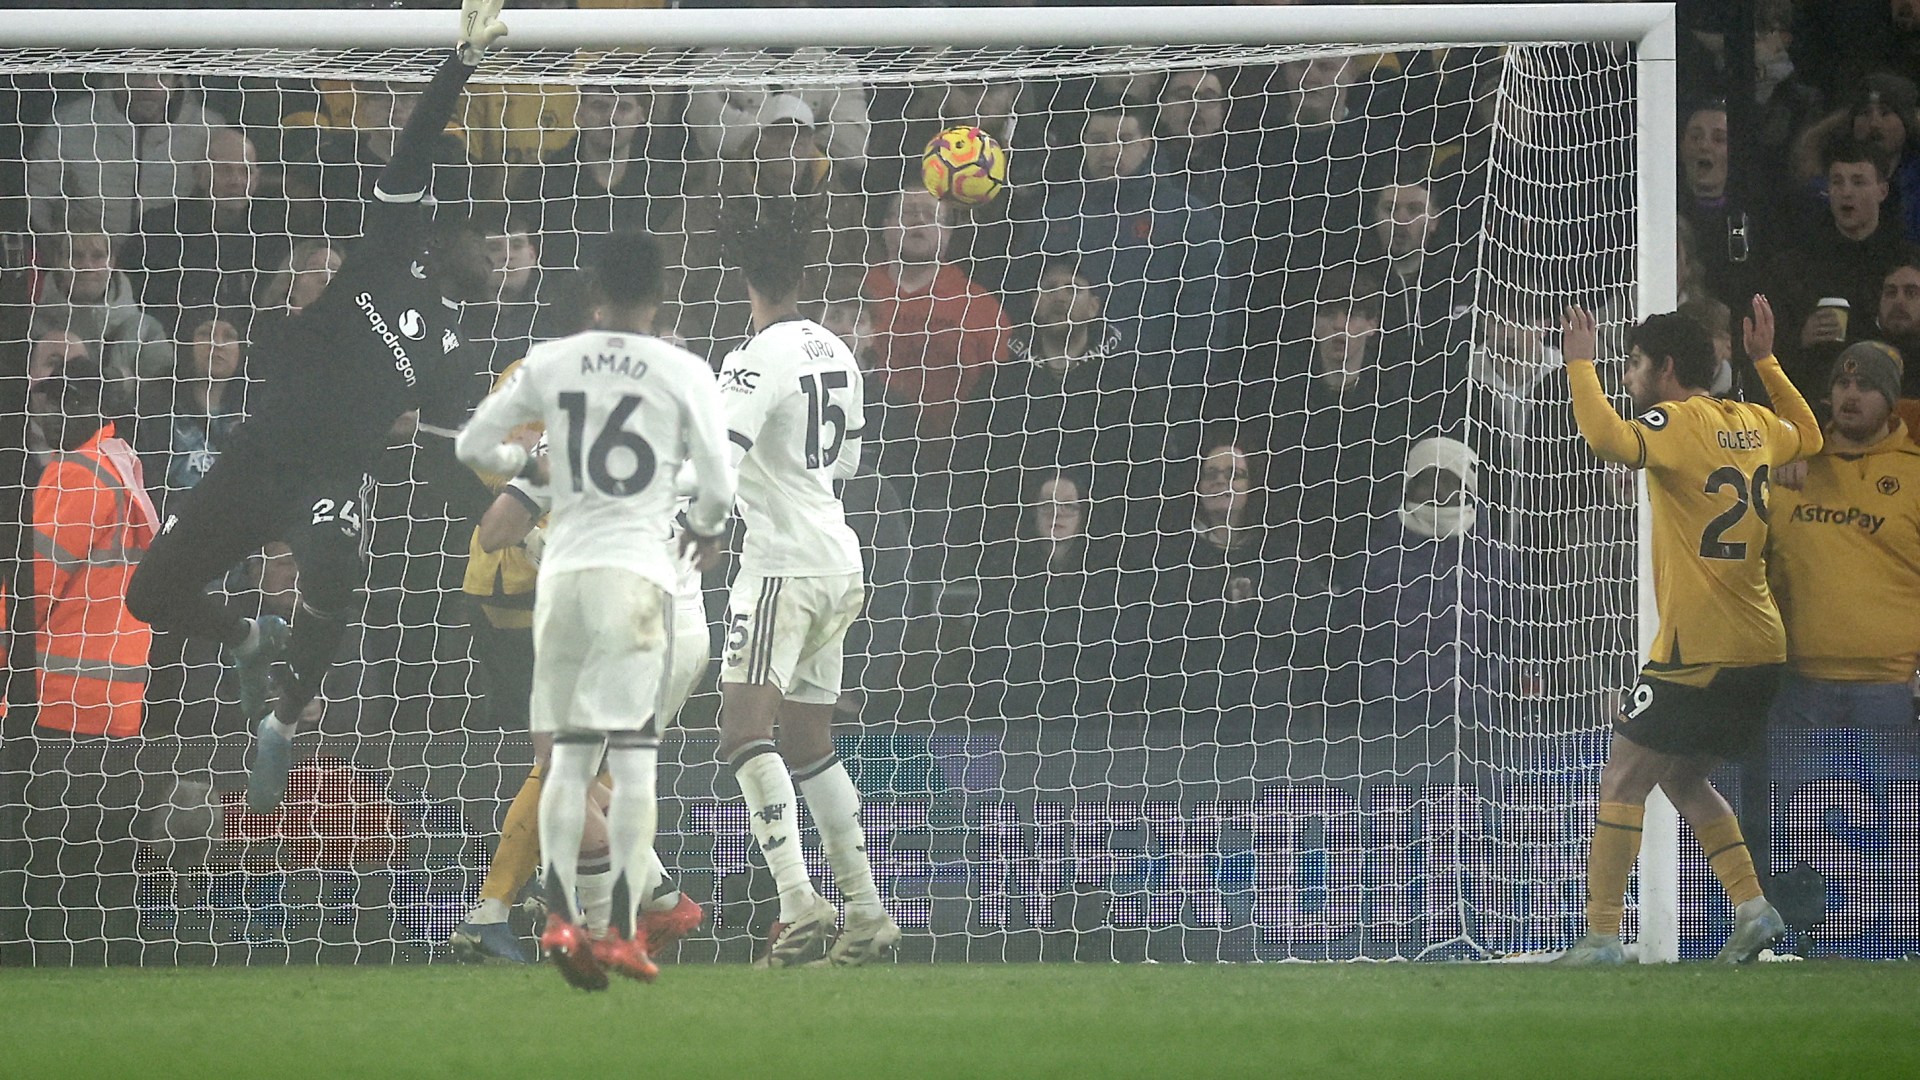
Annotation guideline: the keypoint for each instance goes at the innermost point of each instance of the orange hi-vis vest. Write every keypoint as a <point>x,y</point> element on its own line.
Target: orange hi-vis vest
<point>92,520</point>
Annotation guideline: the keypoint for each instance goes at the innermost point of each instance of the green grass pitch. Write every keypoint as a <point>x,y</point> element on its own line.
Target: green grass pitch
<point>1169,1022</point>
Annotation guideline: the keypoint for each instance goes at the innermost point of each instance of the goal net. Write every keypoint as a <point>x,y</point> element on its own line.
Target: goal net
<point>1239,586</point>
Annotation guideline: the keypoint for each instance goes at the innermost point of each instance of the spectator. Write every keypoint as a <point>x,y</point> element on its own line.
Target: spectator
<point>209,406</point>
<point>521,312</point>
<point>519,124</point>
<point>1045,598</point>
<point>1879,114</point>
<point>1431,601</point>
<point>1691,275</point>
<point>1306,165</point>
<point>934,331</point>
<point>610,177</point>
<point>1203,586</point>
<point>848,317</point>
<point>785,157</point>
<point>1717,319</point>
<point>124,149</point>
<point>1847,255</point>
<point>1786,102</point>
<point>84,293</point>
<point>183,689</point>
<point>1843,558</point>
<point>1193,149</point>
<point>1899,318</point>
<point>1509,372</point>
<point>1884,118</point>
<point>1138,236</point>
<point>91,521</point>
<point>1070,396</point>
<point>1728,237</point>
<point>54,347</point>
<point>310,265</point>
<point>210,248</point>
<point>1356,402</point>
<point>1344,342</point>
<point>1426,284</point>
<point>724,122</point>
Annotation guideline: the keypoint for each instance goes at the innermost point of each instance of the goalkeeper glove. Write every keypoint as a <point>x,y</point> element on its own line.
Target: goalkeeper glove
<point>480,27</point>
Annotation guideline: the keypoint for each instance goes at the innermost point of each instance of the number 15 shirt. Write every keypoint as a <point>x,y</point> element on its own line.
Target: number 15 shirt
<point>1707,463</point>
<point>795,415</point>
<point>622,412</point>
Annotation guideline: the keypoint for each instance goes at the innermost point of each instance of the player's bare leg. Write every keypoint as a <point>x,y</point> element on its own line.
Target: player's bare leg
<point>1756,923</point>
<point>806,741</point>
<point>807,921</point>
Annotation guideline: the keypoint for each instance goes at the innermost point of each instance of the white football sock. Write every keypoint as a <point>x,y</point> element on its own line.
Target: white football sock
<point>656,892</point>
<point>774,817</point>
<point>595,885</point>
<point>563,817</point>
<point>632,815</point>
<point>487,912</point>
<point>835,805</point>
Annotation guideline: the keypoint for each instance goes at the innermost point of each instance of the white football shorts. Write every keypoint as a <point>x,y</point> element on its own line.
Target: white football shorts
<point>600,645</point>
<point>788,632</point>
<point>688,655</point>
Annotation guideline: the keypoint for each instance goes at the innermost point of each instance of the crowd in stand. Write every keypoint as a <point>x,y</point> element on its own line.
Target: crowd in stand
<point>1215,414</point>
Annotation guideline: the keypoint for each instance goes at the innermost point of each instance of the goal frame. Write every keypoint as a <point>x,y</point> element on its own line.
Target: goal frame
<point>1647,27</point>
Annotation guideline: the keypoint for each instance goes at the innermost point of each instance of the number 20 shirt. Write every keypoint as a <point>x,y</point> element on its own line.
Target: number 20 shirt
<point>622,411</point>
<point>795,415</point>
<point>1707,463</point>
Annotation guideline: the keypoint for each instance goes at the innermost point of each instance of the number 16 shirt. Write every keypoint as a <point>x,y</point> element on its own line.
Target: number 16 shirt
<point>1707,463</point>
<point>622,412</point>
<point>795,415</point>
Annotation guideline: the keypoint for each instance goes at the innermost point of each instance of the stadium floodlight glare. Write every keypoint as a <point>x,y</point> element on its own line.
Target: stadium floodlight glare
<point>1308,830</point>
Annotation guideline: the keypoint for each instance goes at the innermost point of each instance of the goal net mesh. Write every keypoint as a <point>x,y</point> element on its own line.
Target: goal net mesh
<point>1239,587</point>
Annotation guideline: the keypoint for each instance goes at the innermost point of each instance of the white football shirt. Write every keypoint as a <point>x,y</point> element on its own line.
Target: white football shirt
<point>795,414</point>
<point>688,585</point>
<point>622,412</point>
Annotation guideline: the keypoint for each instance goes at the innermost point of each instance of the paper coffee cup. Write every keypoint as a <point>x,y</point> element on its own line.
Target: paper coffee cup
<point>1840,308</point>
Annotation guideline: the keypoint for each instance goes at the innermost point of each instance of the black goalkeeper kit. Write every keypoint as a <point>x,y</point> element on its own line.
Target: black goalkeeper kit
<point>381,341</point>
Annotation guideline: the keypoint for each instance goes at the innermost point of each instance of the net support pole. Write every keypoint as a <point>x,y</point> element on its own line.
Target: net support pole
<point>1658,292</point>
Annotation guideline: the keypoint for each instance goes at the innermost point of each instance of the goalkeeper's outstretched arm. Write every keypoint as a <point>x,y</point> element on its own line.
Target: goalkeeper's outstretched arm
<point>410,171</point>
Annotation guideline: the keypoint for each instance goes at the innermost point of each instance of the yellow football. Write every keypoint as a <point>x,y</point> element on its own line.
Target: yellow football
<point>964,165</point>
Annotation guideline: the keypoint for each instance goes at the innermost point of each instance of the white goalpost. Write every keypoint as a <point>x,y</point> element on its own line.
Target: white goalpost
<point>1164,657</point>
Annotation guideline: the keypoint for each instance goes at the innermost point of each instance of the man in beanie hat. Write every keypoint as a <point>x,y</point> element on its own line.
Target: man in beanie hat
<point>1843,558</point>
<point>1881,111</point>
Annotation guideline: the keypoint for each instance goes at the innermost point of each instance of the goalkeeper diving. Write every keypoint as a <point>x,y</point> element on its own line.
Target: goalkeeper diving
<point>381,342</point>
